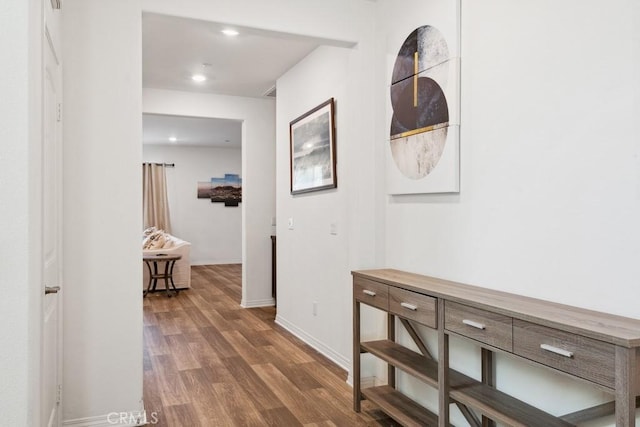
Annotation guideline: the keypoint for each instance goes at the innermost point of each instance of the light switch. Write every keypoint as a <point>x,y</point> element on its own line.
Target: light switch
<point>290,222</point>
<point>333,228</point>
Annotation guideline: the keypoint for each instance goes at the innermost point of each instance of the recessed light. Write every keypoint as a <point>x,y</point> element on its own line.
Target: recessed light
<point>198,78</point>
<point>229,32</point>
<point>173,139</point>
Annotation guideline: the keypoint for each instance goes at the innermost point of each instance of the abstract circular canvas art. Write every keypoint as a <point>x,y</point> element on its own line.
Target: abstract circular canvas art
<point>420,120</point>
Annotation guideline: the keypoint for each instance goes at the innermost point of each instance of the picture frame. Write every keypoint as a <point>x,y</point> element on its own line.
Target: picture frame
<point>312,148</point>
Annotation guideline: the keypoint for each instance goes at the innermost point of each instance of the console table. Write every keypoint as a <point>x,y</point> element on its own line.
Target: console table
<point>598,348</point>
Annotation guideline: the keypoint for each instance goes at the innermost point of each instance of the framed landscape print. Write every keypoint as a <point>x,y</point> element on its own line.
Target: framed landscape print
<point>313,150</point>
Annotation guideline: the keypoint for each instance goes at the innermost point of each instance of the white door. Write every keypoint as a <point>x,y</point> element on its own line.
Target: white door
<point>51,362</point>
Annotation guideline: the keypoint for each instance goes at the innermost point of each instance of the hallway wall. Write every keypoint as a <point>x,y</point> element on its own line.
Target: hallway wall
<point>102,210</point>
<point>20,211</point>
<point>550,170</point>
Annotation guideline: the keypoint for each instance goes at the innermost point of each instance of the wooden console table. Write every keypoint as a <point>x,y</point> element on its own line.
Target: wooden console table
<point>598,348</point>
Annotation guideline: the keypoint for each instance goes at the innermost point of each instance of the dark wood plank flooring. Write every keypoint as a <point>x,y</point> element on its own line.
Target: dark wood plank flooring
<point>209,362</point>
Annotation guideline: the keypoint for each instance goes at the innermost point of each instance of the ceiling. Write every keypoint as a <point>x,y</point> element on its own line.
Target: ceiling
<point>191,131</point>
<point>173,49</point>
<point>248,65</point>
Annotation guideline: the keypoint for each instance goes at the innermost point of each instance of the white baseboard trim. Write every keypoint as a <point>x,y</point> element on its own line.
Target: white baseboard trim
<point>215,262</point>
<point>258,303</point>
<point>118,419</point>
<point>366,382</point>
<point>325,350</point>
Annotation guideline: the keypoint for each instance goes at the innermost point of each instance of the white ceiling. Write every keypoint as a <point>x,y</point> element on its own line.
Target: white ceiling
<point>173,49</point>
<point>191,131</point>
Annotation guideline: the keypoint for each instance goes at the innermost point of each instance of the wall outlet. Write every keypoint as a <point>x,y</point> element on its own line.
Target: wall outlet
<point>315,308</point>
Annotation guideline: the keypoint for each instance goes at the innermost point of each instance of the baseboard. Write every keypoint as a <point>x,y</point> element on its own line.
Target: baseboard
<point>157,290</point>
<point>258,303</point>
<point>325,350</point>
<point>119,419</point>
<point>366,382</point>
<point>214,262</point>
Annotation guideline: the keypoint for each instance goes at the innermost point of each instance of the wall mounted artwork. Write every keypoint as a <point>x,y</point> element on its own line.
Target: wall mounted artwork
<point>424,137</point>
<point>313,150</point>
<point>227,190</point>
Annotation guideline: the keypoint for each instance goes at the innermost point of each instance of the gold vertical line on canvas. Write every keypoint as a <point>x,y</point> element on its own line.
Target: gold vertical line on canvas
<point>415,79</point>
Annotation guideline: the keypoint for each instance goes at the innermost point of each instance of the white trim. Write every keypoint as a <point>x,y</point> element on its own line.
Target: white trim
<point>326,351</point>
<point>366,382</point>
<point>258,303</point>
<point>110,420</point>
<point>215,262</point>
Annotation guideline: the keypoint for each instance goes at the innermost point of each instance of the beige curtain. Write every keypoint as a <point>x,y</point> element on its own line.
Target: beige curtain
<point>155,205</point>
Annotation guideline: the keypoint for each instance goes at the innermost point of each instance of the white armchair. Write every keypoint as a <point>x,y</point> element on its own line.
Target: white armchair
<point>182,268</point>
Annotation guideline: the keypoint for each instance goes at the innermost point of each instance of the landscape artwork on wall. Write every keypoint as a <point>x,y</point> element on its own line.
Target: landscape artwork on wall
<point>313,150</point>
<point>227,190</point>
<point>424,137</point>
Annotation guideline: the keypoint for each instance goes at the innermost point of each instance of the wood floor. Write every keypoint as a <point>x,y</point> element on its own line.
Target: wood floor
<point>209,362</point>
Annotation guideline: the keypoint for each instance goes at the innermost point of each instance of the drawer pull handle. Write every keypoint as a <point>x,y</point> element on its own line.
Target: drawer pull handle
<point>557,350</point>
<point>474,324</point>
<point>409,306</point>
<point>368,292</point>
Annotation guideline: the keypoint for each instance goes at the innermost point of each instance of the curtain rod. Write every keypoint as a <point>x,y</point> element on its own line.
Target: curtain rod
<point>168,165</point>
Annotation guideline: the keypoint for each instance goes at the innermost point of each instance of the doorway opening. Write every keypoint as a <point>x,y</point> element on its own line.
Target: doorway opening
<point>203,159</point>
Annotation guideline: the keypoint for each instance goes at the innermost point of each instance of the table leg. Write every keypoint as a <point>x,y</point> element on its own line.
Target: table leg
<point>166,279</point>
<point>356,356</point>
<point>150,278</point>
<point>626,387</point>
<point>173,263</point>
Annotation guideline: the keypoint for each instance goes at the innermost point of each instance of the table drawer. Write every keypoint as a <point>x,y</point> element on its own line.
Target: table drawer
<point>581,356</point>
<point>484,326</point>
<point>371,293</point>
<point>413,306</point>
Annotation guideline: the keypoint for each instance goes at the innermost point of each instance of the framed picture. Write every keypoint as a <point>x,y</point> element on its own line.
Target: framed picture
<point>313,150</point>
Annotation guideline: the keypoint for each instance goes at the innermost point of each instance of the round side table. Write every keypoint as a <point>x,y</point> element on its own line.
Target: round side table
<point>155,273</point>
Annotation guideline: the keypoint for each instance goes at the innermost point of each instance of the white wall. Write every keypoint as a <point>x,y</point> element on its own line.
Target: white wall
<point>550,194</point>
<point>313,264</point>
<point>102,209</point>
<point>214,231</point>
<point>549,158</point>
<point>20,186</point>
<point>258,177</point>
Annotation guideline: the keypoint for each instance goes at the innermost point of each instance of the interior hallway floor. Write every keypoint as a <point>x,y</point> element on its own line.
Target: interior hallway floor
<point>209,362</point>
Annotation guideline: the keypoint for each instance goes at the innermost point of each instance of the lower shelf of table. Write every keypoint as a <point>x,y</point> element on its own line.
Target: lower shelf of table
<point>399,407</point>
<point>493,403</point>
